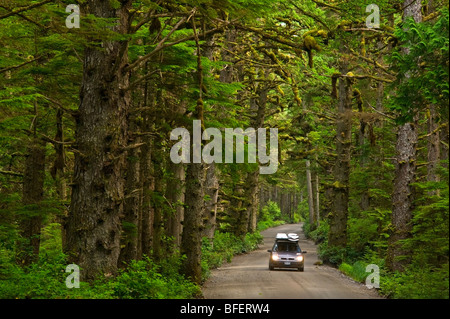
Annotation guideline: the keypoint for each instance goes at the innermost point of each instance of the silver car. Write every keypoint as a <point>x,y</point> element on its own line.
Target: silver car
<point>286,253</point>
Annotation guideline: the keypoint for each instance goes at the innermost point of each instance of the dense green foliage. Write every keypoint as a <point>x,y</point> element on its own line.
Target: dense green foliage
<point>143,279</point>
<point>427,276</point>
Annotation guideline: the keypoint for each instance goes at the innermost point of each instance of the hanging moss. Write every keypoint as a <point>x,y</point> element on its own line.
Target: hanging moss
<point>310,44</point>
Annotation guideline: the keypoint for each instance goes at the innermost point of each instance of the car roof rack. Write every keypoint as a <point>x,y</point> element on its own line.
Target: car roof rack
<point>284,236</point>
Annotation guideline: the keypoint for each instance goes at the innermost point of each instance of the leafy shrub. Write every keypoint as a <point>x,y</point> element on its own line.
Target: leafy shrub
<point>417,282</point>
<point>357,271</point>
<point>51,243</point>
<point>44,279</point>
<point>270,216</point>
<point>140,280</point>
<point>270,211</point>
<point>319,234</point>
<point>332,255</point>
<point>144,279</point>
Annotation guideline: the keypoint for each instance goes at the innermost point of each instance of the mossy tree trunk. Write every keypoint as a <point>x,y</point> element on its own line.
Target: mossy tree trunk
<point>192,225</point>
<point>94,225</point>
<point>30,221</point>
<point>337,235</point>
<point>405,174</point>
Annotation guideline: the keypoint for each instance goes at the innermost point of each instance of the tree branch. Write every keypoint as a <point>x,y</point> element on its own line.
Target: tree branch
<point>71,112</point>
<point>11,173</point>
<point>144,58</point>
<point>25,17</point>
<point>20,65</point>
<point>141,79</point>
<point>160,44</point>
<point>17,11</point>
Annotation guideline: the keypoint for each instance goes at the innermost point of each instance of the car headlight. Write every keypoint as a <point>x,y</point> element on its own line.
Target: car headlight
<point>300,258</point>
<point>275,256</point>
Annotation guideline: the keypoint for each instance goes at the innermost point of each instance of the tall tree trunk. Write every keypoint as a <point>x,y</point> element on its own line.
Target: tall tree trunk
<point>145,229</point>
<point>405,174</point>
<point>93,228</point>
<point>434,149</point>
<point>132,203</point>
<point>403,196</point>
<point>361,145</point>
<point>444,138</point>
<point>191,244</point>
<point>192,225</point>
<point>258,107</point>
<point>253,200</point>
<point>148,185</point>
<point>239,213</point>
<point>175,195</point>
<point>309,189</point>
<point>210,211</point>
<point>317,194</point>
<point>58,171</point>
<point>311,186</point>
<point>175,189</point>
<point>337,235</point>
<point>33,191</point>
<point>157,202</point>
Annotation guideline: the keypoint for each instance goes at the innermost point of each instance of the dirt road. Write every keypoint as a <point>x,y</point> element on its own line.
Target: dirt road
<point>248,276</point>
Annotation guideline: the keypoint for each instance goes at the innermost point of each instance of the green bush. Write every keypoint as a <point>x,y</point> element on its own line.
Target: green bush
<point>140,280</point>
<point>319,234</point>
<point>417,282</point>
<point>270,211</point>
<point>44,279</point>
<point>263,225</point>
<point>332,255</point>
<point>357,271</point>
<point>270,216</point>
<point>144,279</point>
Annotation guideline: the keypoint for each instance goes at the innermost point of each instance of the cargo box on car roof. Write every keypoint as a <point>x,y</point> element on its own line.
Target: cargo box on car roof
<point>284,236</point>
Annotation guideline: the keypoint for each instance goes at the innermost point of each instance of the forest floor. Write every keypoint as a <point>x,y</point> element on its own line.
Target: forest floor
<point>248,276</point>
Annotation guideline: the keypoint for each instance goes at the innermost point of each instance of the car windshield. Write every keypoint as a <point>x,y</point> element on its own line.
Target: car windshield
<point>287,247</point>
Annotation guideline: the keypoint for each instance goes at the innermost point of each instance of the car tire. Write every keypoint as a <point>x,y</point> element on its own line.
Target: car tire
<point>271,267</point>
<point>301,269</point>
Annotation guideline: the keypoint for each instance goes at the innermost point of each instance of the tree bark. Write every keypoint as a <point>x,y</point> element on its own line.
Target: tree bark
<point>317,195</point>
<point>145,230</point>
<point>33,192</point>
<point>337,235</point>
<point>192,225</point>
<point>157,203</point>
<point>175,195</point>
<point>148,186</point>
<point>310,193</point>
<point>405,174</point>
<point>434,149</point>
<point>253,200</point>
<point>132,204</point>
<point>93,228</point>
<point>210,211</point>
<point>58,171</point>
<point>258,107</point>
<point>402,197</point>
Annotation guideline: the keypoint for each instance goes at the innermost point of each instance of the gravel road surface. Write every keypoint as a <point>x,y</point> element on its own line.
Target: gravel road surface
<point>248,276</point>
